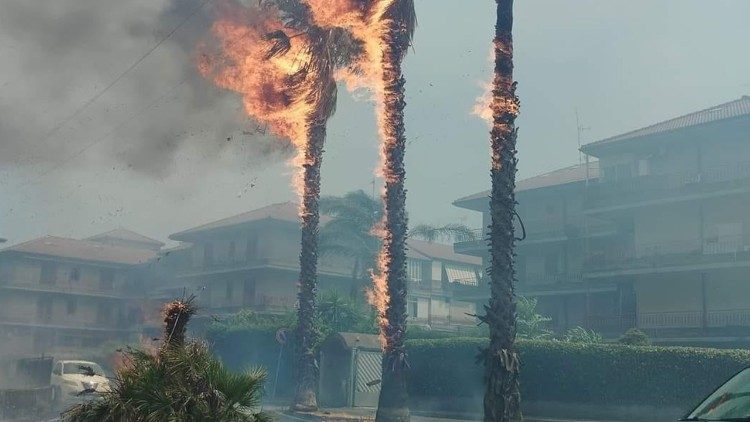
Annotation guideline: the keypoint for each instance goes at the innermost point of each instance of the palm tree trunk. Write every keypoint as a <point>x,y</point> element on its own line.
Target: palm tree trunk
<point>502,399</point>
<point>307,365</point>
<point>393,400</point>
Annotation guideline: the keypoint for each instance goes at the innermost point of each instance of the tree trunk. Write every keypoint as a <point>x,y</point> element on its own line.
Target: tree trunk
<point>502,399</point>
<point>307,365</point>
<point>393,400</point>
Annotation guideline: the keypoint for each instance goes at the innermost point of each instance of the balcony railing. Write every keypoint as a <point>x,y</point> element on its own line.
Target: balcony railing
<point>695,319</point>
<point>649,187</point>
<point>610,323</point>
<point>532,279</point>
<point>541,229</point>
<point>675,253</point>
<point>120,292</point>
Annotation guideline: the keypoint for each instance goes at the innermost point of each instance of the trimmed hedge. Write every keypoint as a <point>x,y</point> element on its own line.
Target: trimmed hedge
<point>600,374</point>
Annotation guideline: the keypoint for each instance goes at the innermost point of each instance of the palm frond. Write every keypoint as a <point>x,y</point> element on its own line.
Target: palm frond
<point>280,44</point>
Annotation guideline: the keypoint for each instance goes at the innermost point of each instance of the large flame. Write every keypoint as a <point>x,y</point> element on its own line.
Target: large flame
<point>368,23</point>
<point>269,95</point>
<point>243,66</point>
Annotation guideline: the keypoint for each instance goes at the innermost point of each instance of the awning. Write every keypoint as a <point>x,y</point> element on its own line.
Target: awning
<point>461,274</point>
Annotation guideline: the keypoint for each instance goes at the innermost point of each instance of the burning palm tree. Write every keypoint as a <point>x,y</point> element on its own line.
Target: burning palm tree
<point>318,78</point>
<point>502,398</point>
<point>384,28</point>
<point>289,83</point>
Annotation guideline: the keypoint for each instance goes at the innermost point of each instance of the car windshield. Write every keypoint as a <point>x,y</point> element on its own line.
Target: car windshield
<point>731,401</point>
<point>83,368</point>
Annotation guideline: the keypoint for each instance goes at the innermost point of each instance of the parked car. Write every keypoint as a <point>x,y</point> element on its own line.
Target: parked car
<point>730,402</point>
<point>73,380</point>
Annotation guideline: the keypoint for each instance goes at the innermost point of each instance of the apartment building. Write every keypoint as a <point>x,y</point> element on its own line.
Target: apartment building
<point>63,296</point>
<point>652,232</point>
<point>251,261</point>
<point>550,259</point>
<point>682,188</point>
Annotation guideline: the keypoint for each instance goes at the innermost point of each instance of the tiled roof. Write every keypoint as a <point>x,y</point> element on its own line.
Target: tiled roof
<point>440,252</point>
<point>124,234</point>
<point>730,110</point>
<point>285,211</point>
<point>85,250</point>
<point>572,174</point>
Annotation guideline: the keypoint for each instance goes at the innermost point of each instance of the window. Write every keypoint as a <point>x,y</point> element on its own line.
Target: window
<point>107,279</point>
<point>252,247</point>
<point>644,169</point>
<point>230,291</point>
<point>413,270</point>
<point>44,309</point>
<point>232,250</point>
<point>104,313</point>
<point>75,274</point>
<point>413,308</point>
<point>208,254</point>
<point>49,273</point>
<point>72,305</point>
<point>58,369</point>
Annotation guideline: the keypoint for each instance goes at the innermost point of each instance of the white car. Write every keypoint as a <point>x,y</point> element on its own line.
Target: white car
<point>74,380</point>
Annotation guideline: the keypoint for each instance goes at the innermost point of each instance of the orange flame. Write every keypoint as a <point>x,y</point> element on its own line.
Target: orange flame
<point>483,104</point>
<point>369,26</point>
<point>242,65</point>
<point>488,105</point>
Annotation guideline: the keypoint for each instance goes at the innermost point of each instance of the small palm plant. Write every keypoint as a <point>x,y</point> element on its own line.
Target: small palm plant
<point>181,381</point>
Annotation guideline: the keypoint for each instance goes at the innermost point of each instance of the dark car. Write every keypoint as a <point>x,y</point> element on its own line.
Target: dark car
<point>730,402</point>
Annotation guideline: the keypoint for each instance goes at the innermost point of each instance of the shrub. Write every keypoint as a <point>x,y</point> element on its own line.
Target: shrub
<point>582,335</point>
<point>180,381</point>
<point>599,374</point>
<point>634,337</point>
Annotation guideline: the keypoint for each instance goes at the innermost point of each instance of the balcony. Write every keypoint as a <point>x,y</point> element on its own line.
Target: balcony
<point>695,253</point>
<point>610,324</point>
<point>641,190</point>
<point>290,263</point>
<point>541,231</point>
<point>69,288</point>
<point>695,319</point>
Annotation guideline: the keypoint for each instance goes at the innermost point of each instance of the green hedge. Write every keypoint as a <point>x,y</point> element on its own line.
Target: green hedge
<point>602,374</point>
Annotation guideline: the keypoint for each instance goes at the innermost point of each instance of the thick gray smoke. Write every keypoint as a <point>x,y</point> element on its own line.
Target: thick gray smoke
<point>162,149</point>
<point>58,54</point>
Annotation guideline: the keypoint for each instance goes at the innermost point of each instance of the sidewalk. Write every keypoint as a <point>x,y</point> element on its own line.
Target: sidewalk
<point>368,415</point>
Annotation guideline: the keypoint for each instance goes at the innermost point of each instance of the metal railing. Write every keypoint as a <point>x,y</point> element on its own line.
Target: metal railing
<point>662,185</point>
<point>695,319</point>
<point>545,229</point>
<point>531,279</point>
<point>672,253</point>
<point>610,323</point>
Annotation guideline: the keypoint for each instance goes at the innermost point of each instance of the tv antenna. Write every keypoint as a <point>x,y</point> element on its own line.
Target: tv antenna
<point>580,130</point>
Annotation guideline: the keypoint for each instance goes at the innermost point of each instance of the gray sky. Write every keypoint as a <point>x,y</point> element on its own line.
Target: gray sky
<point>152,154</point>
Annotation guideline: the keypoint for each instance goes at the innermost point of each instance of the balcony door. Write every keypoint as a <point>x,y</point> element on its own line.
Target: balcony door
<point>249,293</point>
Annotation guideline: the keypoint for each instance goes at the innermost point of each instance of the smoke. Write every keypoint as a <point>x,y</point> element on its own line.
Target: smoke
<point>58,54</point>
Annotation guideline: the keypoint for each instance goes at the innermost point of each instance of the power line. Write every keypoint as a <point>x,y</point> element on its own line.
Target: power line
<point>88,146</point>
<point>135,64</point>
<point>103,138</point>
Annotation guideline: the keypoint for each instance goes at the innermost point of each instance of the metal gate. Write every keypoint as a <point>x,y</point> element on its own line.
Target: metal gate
<point>367,375</point>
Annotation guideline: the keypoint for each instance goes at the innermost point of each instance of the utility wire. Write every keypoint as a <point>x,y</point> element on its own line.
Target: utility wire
<point>135,64</point>
<point>134,116</point>
<point>88,146</point>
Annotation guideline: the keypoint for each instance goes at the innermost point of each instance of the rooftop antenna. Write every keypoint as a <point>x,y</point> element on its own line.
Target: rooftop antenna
<point>580,129</point>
